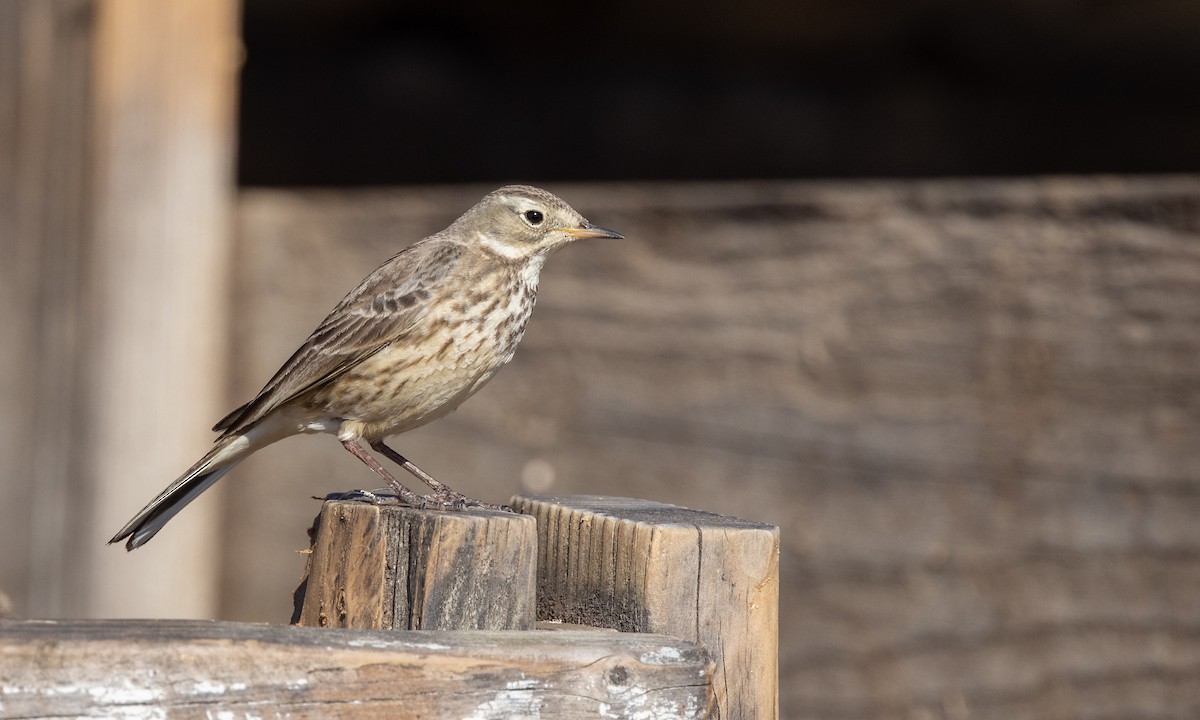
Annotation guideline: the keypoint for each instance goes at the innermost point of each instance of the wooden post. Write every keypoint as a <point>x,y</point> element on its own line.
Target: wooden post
<point>45,220</point>
<point>642,566</point>
<point>390,566</point>
<point>204,669</point>
<point>158,290</point>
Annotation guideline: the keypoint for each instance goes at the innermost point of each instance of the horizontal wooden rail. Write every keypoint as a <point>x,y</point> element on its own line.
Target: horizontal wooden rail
<point>176,668</point>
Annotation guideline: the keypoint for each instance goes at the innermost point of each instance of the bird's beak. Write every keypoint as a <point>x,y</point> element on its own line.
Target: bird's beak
<point>588,230</point>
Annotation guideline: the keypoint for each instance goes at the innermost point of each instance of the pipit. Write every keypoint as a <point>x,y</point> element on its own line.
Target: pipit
<point>417,337</point>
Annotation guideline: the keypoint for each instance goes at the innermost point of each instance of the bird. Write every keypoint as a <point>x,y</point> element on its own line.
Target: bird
<point>418,336</point>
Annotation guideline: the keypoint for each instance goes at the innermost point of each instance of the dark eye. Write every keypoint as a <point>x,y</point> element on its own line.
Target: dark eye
<point>534,217</point>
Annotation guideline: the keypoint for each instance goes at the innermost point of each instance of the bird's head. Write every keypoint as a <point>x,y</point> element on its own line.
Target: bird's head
<point>520,222</point>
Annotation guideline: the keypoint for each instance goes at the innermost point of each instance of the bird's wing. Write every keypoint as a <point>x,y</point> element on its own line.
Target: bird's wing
<point>381,310</point>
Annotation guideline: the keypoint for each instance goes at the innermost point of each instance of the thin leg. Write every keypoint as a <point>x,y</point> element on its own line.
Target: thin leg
<point>408,497</point>
<point>410,466</point>
<point>441,492</point>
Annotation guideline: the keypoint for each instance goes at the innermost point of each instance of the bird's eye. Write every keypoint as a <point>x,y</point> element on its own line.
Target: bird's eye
<point>534,217</point>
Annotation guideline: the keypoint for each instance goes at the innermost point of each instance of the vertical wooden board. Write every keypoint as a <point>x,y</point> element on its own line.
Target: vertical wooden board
<point>45,218</point>
<point>605,576</point>
<point>650,567</point>
<point>748,564</point>
<point>673,564</point>
<point>344,584</point>
<point>462,571</point>
<point>630,566</point>
<point>402,568</point>
<point>157,311</point>
<point>115,191</point>
<point>551,571</point>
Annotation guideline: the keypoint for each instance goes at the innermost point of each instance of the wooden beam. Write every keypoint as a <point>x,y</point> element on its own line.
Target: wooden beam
<point>205,669</point>
<point>45,218</point>
<point>165,79</point>
<point>390,566</point>
<point>116,186</point>
<point>642,566</point>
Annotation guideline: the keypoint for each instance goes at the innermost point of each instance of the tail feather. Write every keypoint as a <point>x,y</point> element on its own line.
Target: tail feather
<point>227,453</point>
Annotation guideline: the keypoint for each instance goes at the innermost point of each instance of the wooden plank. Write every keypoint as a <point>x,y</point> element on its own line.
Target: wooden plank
<point>158,291</point>
<point>204,669</point>
<point>45,215</point>
<point>390,566</point>
<point>115,198</point>
<point>641,566</point>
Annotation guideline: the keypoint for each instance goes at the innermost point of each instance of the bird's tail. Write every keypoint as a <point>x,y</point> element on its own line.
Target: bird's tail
<point>228,452</point>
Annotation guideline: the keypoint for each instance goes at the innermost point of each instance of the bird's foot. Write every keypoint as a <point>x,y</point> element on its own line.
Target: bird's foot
<point>374,497</point>
<point>443,499</point>
<point>447,499</point>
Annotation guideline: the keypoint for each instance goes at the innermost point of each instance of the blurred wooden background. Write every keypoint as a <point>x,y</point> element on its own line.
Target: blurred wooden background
<point>116,203</point>
<point>972,406</point>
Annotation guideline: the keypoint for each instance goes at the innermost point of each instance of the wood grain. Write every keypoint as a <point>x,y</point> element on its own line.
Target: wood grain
<point>390,566</point>
<point>641,566</point>
<point>201,669</point>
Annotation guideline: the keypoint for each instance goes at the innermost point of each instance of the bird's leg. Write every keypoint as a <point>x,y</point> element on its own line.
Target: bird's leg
<point>409,465</point>
<point>408,497</point>
<point>442,493</point>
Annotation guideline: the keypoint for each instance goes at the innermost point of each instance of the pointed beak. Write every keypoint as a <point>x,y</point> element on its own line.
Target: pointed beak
<point>588,230</point>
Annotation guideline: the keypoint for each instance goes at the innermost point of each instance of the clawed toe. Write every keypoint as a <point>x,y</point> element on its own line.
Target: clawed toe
<point>438,500</point>
<point>364,496</point>
<point>451,500</point>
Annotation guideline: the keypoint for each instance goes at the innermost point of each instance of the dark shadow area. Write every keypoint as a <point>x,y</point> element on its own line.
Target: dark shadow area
<point>378,92</point>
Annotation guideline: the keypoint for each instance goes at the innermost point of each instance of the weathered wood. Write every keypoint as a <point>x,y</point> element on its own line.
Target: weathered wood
<point>116,187</point>
<point>202,669</point>
<point>391,566</point>
<point>642,566</point>
<point>166,83</point>
<point>45,213</point>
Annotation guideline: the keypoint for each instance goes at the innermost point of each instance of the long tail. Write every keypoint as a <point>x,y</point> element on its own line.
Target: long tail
<point>227,453</point>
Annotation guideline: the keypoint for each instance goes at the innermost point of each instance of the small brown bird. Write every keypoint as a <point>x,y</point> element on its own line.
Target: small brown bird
<point>415,339</point>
